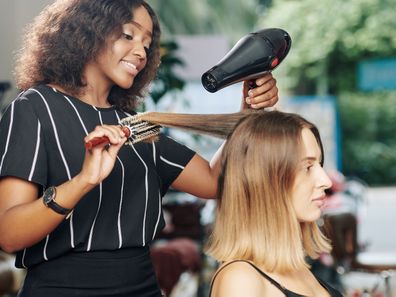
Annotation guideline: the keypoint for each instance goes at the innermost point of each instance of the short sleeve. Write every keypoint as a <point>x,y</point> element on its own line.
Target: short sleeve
<point>172,158</point>
<point>22,150</point>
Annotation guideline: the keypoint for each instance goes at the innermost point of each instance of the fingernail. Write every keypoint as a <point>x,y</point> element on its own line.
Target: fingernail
<point>247,100</point>
<point>250,93</point>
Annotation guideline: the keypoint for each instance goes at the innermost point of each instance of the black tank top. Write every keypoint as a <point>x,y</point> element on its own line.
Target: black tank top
<point>333,292</point>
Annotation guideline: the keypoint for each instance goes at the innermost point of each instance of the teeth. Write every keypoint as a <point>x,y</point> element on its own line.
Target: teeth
<point>129,64</point>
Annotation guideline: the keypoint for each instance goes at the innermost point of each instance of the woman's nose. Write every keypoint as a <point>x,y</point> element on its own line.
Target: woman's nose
<point>324,180</point>
<point>139,51</point>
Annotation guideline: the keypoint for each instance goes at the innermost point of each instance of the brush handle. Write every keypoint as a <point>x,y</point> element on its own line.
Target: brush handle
<point>104,139</point>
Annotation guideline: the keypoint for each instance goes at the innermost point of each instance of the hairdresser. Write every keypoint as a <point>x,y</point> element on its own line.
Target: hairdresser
<point>80,220</point>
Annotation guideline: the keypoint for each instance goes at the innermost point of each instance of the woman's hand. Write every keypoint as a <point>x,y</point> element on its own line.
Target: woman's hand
<point>100,159</point>
<point>264,95</point>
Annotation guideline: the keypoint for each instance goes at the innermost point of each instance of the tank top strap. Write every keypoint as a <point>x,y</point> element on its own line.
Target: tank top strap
<point>271,280</point>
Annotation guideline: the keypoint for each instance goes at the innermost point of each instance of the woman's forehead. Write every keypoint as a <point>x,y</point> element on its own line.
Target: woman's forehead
<point>310,145</point>
<point>142,20</point>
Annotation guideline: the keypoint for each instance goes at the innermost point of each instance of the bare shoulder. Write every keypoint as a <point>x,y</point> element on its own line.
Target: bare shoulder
<point>238,279</point>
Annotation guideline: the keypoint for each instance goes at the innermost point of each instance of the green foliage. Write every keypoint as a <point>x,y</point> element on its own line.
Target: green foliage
<point>330,37</point>
<point>369,150</point>
<point>233,18</point>
<point>166,80</point>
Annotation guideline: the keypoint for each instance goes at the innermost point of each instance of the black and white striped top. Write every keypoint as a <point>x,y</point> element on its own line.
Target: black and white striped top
<point>41,140</point>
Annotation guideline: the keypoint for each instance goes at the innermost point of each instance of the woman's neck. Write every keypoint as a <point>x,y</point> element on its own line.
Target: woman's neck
<point>87,95</point>
<point>95,97</point>
<point>98,86</point>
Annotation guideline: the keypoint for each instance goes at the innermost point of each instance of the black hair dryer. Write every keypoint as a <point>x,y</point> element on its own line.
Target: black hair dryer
<point>252,56</point>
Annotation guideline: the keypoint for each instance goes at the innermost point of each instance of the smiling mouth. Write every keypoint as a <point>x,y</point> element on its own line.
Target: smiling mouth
<point>131,67</point>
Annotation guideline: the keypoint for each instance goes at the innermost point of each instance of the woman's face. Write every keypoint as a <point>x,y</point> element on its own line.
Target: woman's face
<point>122,60</point>
<point>311,181</point>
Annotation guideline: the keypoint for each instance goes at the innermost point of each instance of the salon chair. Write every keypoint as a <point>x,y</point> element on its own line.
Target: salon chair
<point>341,229</point>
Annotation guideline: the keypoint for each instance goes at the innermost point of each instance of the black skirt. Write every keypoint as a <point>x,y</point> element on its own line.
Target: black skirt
<point>122,273</point>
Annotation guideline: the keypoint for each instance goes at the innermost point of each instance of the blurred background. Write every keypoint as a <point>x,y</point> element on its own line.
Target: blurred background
<point>340,74</point>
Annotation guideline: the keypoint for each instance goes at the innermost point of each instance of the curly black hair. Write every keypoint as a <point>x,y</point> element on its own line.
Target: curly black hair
<point>70,33</point>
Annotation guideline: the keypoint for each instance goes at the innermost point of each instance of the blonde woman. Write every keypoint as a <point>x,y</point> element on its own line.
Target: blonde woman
<point>271,189</point>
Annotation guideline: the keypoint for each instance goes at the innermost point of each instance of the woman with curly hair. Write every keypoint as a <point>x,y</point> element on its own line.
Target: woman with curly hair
<point>271,190</point>
<point>80,220</point>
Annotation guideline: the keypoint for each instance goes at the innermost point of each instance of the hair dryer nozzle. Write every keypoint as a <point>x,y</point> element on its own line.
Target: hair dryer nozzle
<point>252,56</point>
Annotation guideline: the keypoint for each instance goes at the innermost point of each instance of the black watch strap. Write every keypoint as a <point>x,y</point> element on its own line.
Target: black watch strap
<point>49,201</point>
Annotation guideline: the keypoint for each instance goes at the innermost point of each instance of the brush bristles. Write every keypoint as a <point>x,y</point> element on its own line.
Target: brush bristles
<point>146,136</point>
<point>218,125</point>
<point>140,130</point>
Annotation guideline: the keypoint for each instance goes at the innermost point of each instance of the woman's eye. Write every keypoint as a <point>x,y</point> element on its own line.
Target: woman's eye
<point>127,36</point>
<point>308,168</point>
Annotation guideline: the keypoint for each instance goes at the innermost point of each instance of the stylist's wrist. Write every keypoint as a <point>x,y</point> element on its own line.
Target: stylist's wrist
<point>83,183</point>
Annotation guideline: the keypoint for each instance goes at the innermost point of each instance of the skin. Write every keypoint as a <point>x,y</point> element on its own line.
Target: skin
<point>311,181</point>
<point>24,220</point>
<point>240,279</point>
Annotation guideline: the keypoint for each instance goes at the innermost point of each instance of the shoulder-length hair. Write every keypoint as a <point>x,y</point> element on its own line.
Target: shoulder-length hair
<point>255,219</point>
<point>70,33</point>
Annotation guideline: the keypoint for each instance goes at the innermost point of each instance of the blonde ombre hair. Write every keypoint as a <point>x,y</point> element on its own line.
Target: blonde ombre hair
<point>255,219</point>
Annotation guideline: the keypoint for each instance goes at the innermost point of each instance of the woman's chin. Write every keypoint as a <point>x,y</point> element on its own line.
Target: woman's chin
<point>125,83</point>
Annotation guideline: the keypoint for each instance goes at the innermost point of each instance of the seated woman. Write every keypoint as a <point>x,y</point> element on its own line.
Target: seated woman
<point>271,190</point>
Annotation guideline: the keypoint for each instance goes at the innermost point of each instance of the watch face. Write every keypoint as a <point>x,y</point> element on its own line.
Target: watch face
<point>48,195</point>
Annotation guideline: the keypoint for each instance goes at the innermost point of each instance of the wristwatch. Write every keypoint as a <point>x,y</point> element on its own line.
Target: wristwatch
<point>49,201</point>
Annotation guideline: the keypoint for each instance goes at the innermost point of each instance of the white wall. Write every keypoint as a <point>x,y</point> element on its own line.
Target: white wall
<point>14,16</point>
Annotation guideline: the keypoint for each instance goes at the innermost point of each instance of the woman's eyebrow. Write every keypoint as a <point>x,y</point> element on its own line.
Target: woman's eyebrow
<point>145,31</point>
<point>309,158</point>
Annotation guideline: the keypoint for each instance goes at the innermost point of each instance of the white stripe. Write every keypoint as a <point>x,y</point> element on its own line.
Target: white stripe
<point>8,136</point>
<point>71,216</point>
<point>63,159</point>
<point>120,207</point>
<point>100,198</point>
<point>171,163</point>
<point>118,117</point>
<point>100,115</point>
<point>45,248</point>
<point>78,115</point>
<point>159,193</point>
<point>35,151</point>
<point>122,193</point>
<point>154,153</point>
<point>23,259</point>
<point>159,214</point>
<point>93,224</point>
<point>56,134</point>
<point>146,186</point>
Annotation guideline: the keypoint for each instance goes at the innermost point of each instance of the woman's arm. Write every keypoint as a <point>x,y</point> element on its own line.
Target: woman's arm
<point>199,177</point>
<point>25,220</point>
